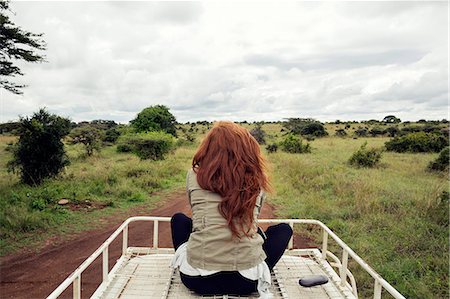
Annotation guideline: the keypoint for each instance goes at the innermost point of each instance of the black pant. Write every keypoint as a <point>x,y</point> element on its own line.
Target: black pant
<point>229,282</point>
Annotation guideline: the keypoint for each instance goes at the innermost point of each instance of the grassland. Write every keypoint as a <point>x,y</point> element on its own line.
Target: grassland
<point>394,216</point>
<point>29,215</point>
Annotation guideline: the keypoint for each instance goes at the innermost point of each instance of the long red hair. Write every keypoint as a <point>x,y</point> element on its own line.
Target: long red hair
<point>229,162</point>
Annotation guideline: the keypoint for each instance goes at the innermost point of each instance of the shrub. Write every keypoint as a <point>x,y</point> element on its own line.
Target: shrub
<point>417,142</point>
<point>259,134</point>
<point>124,148</point>
<point>151,145</point>
<point>272,148</point>
<point>187,140</point>
<point>410,129</point>
<point>39,153</point>
<point>10,128</point>
<point>89,136</point>
<point>155,118</point>
<point>315,129</point>
<point>111,135</point>
<point>189,137</point>
<point>305,126</point>
<point>361,132</point>
<point>364,157</point>
<point>392,131</point>
<point>293,144</point>
<point>442,161</point>
<point>341,133</point>
<point>431,129</point>
<point>376,131</point>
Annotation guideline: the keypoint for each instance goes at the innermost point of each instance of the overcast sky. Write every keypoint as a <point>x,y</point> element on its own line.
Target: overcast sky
<point>236,61</point>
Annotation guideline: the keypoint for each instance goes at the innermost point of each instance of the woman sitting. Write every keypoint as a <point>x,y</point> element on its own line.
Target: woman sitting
<point>221,250</point>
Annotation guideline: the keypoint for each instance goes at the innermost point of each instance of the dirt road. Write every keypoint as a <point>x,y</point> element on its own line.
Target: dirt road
<point>36,275</point>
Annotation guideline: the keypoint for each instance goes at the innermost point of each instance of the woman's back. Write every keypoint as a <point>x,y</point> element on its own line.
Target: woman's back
<point>211,245</point>
<point>220,250</point>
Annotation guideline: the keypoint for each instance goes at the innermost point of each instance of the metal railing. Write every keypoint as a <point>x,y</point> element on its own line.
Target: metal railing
<point>341,265</point>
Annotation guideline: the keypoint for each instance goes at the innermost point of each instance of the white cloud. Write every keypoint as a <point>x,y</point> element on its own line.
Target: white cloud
<point>239,60</point>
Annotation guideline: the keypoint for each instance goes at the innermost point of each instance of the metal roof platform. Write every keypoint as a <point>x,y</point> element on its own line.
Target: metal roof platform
<point>144,272</point>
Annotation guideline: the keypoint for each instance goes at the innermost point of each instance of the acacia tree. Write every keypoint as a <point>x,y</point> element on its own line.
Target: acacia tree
<point>16,44</point>
<point>89,136</point>
<point>391,119</point>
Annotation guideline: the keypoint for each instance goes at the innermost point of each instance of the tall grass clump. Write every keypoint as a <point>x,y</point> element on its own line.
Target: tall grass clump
<point>365,157</point>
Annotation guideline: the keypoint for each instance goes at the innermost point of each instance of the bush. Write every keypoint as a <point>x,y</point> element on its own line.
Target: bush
<point>259,134</point>
<point>315,129</point>
<point>341,133</point>
<point>124,148</point>
<point>39,153</point>
<point>364,157</point>
<point>306,127</point>
<point>152,145</point>
<point>89,136</point>
<point>155,118</point>
<point>442,161</point>
<point>9,128</point>
<point>392,131</point>
<point>272,148</point>
<point>187,140</point>
<point>361,132</point>
<point>417,142</point>
<point>111,135</point>
<point>376,131</point>
<point>293,144</point>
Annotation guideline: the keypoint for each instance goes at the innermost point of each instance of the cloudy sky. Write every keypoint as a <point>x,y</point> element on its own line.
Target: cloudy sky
<point>236,60</point>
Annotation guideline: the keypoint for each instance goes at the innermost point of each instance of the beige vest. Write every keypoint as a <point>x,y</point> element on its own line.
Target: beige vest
<point>210,245</point>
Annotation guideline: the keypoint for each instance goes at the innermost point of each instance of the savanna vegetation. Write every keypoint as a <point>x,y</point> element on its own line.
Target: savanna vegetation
<point>390,206</point>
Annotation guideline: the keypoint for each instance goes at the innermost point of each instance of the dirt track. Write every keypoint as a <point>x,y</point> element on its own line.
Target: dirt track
<point>34,275</point>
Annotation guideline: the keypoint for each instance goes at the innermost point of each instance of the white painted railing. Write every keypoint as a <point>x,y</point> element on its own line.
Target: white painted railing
<point>342,265</point>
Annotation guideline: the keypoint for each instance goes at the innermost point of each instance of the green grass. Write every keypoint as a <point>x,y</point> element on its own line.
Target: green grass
<point>389,214</point>
<point>29,214</point>
<point>394,215</point>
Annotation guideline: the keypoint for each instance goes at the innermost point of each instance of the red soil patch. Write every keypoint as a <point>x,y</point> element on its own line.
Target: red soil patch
<point>36,275</point>
<point>86,206</point>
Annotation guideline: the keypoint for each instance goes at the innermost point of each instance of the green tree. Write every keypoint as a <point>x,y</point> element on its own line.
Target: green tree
<point>155,118</point>
<point>16,44</point>
<point>89,136</point>
<point>39,153</point>
<point>391,119</point>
